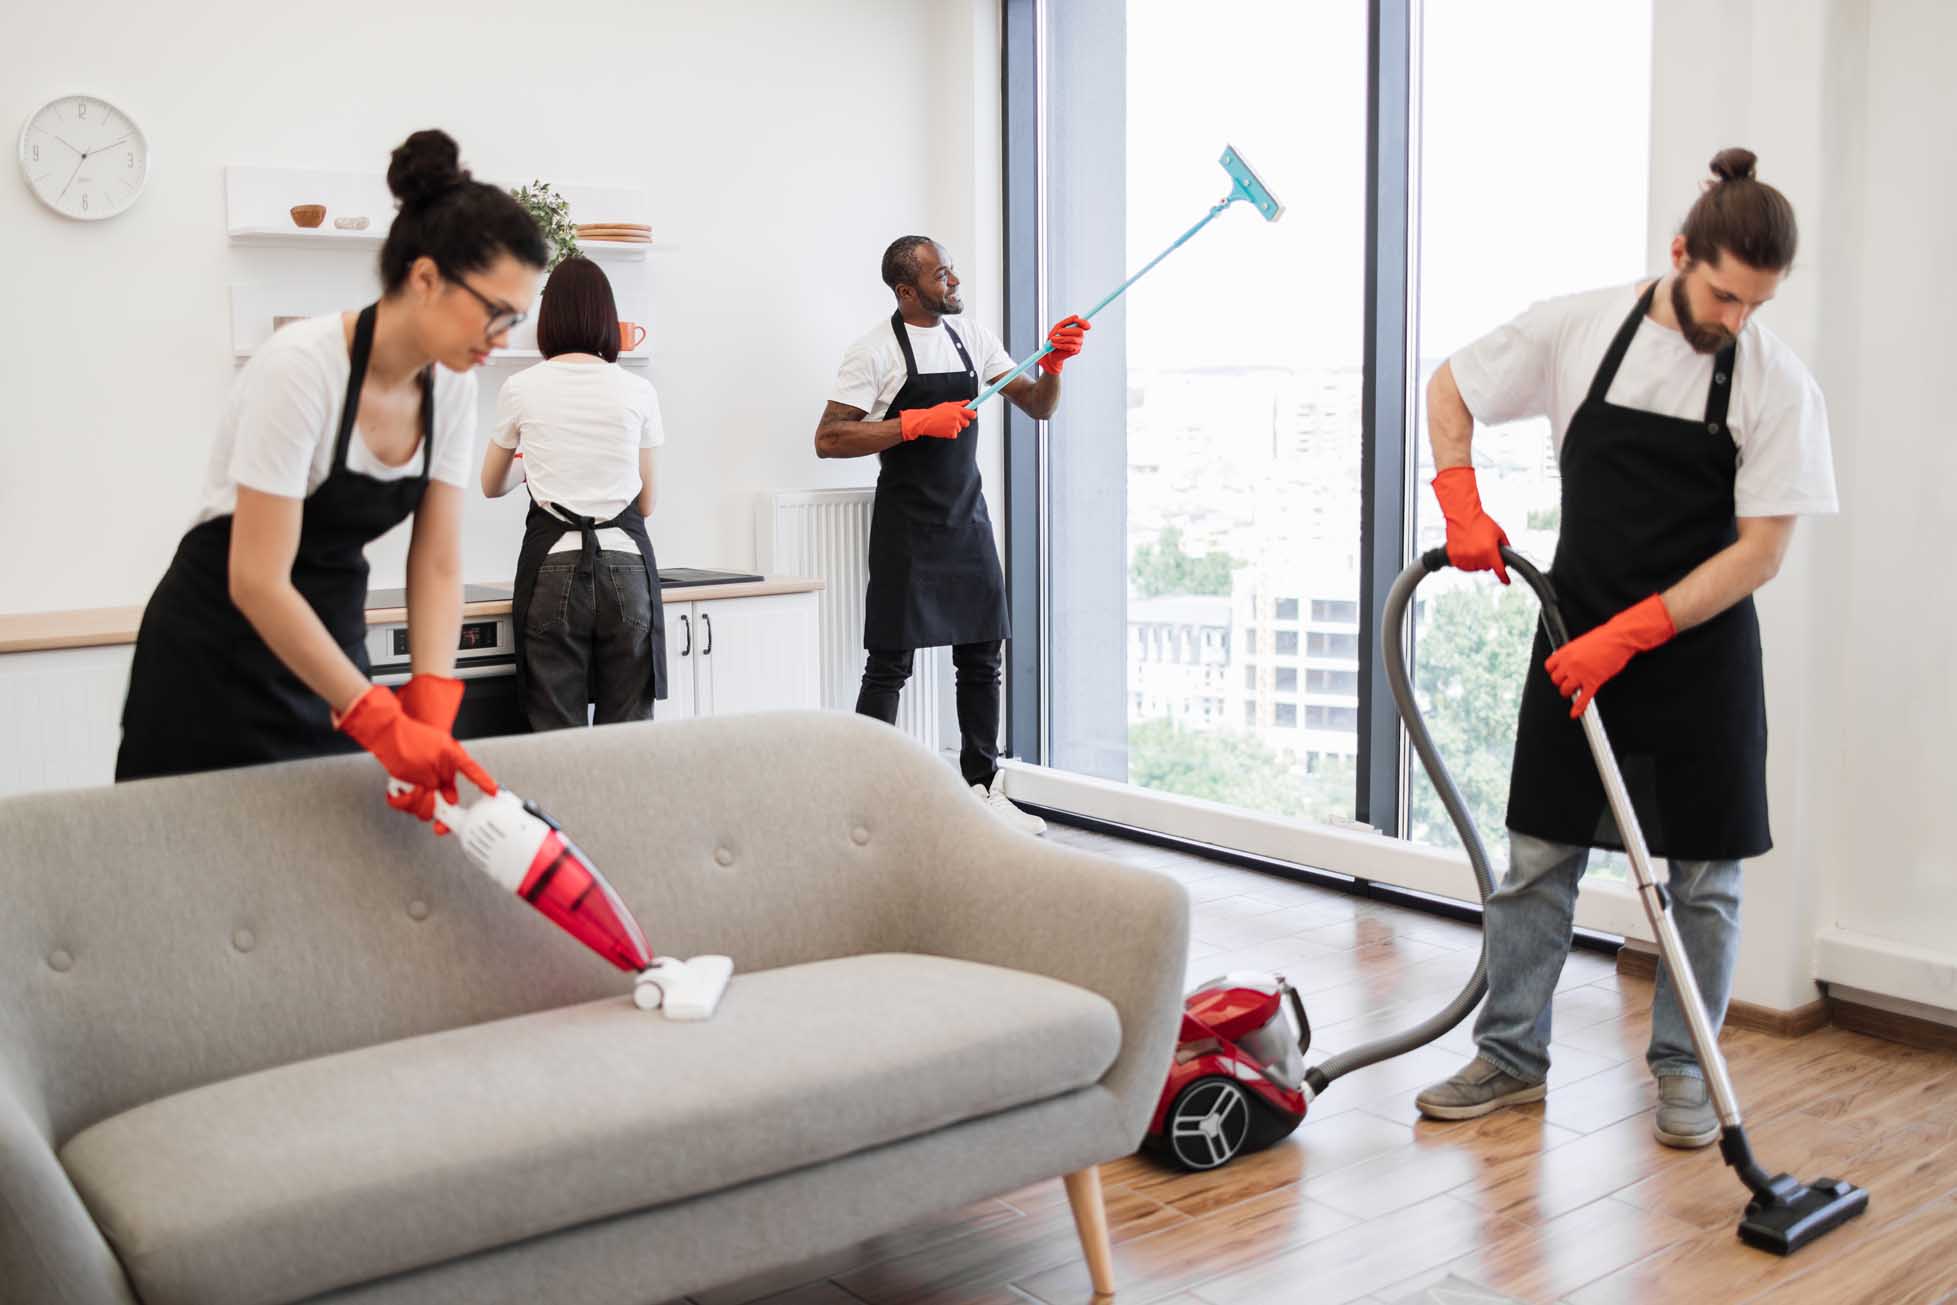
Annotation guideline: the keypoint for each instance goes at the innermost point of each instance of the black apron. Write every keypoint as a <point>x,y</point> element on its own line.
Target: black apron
<point>1646,499</point>
<point>541,531</point>
<point>205,691</point>
<point>935,578</point>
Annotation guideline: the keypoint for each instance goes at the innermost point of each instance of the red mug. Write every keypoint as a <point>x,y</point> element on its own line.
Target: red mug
<point>630,336</point>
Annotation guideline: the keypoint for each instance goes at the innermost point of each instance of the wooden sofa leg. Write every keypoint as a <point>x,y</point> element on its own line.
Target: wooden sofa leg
<point>1091,1218</point>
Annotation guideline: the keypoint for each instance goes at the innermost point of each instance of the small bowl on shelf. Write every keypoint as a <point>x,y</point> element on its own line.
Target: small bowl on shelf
<point>350,223</point>
<point>308,215</point>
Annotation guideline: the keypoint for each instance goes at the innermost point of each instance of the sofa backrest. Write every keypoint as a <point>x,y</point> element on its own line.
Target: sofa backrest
<point>164,934</point>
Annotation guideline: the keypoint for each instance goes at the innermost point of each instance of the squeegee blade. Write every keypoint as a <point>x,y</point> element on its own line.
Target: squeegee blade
<point>1249,185</point>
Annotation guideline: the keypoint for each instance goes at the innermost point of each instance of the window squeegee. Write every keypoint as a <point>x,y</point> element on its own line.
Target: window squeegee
<point>1244,186</point>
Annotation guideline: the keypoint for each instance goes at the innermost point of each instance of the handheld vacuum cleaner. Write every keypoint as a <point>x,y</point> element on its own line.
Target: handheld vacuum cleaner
<point>1239,1081</point>
<point>520,847</point>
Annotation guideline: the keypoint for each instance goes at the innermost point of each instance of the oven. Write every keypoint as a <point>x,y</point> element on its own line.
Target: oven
<point>485,662</point>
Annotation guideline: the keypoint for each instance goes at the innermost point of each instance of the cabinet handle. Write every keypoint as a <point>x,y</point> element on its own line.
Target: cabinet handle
<point>686,628</point>
<point>706,618</point>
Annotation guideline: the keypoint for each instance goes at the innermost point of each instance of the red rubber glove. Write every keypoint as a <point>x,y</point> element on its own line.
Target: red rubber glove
<point>417,754</point>
<point>1581,666</point>
<point>1474,541</point>
<point>940,421</point>
<point>432,700</point>
<point>1065,337</point>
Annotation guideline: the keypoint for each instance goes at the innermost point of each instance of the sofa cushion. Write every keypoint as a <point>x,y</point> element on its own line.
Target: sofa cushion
<point>295,1180</point>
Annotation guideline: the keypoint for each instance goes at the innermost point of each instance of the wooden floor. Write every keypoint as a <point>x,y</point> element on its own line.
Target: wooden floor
<point>1566,1201</point>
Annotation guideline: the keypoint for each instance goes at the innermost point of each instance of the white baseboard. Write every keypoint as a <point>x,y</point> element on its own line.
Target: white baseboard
<point>1886,968</point>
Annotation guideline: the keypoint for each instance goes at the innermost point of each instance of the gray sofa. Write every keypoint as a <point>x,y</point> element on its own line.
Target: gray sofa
<point>264,1040</point>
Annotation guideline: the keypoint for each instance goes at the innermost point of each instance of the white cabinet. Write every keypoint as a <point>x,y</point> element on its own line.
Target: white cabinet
<point>731,655</point>
<point>61,717</point>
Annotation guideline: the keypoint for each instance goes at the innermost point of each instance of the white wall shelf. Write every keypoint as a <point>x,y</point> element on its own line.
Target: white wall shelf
<point>258,204</point>
<point>513,357</point>
<point>636,358</point>
<point>283,282</point>
<point>328,237</point>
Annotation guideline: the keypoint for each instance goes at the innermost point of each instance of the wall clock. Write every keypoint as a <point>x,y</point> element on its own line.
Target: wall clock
<point>84,158</point>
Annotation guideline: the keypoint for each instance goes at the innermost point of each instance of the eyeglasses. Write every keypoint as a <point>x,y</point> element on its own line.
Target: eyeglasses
<point>502,317</point>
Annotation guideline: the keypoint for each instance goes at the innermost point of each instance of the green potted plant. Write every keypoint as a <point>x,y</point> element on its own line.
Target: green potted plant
<point>553,216</point>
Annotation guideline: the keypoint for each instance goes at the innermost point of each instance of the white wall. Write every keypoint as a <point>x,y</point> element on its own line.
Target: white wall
<point>1848,108</point>
<point>783,144</point>
<point>1889,767</point>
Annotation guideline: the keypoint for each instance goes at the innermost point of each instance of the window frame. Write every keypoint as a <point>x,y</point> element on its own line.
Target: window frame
<point>1390,362</point>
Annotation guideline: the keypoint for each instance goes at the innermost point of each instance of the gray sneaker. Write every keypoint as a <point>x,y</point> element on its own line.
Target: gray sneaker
<point>1479,1089</point>
<point>1685,1115</point>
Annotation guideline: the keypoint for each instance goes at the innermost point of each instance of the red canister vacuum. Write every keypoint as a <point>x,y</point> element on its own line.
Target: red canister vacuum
<point>1238,1079</point>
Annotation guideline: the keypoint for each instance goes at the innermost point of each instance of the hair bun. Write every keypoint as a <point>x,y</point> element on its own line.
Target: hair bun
<point>424,167</point>
<point>1734,164</point>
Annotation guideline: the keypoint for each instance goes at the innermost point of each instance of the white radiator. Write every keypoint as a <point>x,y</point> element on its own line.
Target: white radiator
<point>826,533</point>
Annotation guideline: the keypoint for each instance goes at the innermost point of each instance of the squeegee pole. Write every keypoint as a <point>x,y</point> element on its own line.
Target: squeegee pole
<point>1112,295</point>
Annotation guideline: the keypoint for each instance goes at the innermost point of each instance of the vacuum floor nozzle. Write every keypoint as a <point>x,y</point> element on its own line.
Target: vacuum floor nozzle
<point>1797,1213</point>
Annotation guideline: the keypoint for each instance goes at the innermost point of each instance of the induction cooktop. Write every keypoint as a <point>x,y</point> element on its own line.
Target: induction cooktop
<point>470,594</point>
<point>681,577</point>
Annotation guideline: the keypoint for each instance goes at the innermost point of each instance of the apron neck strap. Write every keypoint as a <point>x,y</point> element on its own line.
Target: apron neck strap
<point>1722,388</point>
<point>1620,344</point>
<point>897,326</point>
<point>358,355</point>
<point>427,384</point>
<point>362,350</point>
<point>1717,397</point>
<point>904,343</point>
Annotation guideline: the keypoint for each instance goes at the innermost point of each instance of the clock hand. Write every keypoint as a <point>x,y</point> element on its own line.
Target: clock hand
<point>83,153</point>
<point>111,145</point>
<point>71,178</point>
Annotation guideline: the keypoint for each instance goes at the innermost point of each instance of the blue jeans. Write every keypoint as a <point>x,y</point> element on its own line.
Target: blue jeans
<point>1528,927</point>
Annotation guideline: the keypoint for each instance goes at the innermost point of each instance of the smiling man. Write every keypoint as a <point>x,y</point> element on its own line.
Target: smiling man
<point>935,579</point>
<point>1689,439</point>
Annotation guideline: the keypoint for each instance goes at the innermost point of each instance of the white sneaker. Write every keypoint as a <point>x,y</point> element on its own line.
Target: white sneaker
<point>995,802</point>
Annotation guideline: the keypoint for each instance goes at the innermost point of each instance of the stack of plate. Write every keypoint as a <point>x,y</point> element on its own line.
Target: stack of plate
<point>631,232</point>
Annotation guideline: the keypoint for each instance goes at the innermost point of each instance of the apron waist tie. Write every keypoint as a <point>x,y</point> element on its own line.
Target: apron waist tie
<point>587,528</point>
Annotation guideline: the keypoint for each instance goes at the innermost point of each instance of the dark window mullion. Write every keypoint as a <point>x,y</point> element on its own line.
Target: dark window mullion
<point>1383,458</point>
<point>1023,560</point>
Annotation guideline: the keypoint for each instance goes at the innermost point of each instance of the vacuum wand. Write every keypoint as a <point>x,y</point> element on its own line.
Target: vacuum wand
<point>1244,185</point>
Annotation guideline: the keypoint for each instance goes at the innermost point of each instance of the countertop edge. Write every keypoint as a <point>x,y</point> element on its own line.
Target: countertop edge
<point>97,627</point>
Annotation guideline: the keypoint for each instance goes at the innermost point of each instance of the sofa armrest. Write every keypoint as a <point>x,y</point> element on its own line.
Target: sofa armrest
<point>51,1252</point>
<point>999,897</point>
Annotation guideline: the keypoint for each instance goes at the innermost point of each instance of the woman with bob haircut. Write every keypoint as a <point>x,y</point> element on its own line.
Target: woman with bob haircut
<point>579,432</point>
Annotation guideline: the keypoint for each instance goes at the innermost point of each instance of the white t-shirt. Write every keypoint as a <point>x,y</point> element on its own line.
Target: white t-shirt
<point>580,426</point>
<point>283,418</point>
<point>1541,365</point>
<point>873,368</point>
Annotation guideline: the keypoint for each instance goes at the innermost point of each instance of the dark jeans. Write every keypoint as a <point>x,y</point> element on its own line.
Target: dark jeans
<point>588,644</point>
<point>884,675</point>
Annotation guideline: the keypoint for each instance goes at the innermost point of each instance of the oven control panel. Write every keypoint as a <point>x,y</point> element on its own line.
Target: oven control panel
<point>483,639</point>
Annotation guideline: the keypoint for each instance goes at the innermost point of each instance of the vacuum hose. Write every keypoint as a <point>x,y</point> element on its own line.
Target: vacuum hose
<point>1393,645</point>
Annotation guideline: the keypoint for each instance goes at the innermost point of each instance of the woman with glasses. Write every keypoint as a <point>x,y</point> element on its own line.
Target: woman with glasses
<point>582,432</point>
<point>253,647</point>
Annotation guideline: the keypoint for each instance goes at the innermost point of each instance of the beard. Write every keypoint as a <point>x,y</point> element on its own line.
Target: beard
<point>946,305</point>
<point>1701,336</point>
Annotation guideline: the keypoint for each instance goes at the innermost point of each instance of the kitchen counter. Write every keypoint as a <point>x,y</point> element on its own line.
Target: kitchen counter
<point>95,627</point>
